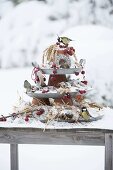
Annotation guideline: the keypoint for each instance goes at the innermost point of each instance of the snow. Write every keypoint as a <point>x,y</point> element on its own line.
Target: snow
<point>23,36</point>
<point>5,8</point>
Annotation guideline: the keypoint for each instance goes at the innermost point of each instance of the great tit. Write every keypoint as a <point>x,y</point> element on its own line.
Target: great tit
<point>64,40</point>
<point>85,114</point>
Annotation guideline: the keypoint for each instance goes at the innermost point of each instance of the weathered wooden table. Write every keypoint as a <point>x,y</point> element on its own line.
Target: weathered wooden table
<point>76,136</point>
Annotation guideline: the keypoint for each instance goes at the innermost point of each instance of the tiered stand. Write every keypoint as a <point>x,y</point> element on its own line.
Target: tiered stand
<point>61,98</point>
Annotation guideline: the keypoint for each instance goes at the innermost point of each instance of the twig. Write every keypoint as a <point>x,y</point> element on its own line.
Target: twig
<point>27,110</point>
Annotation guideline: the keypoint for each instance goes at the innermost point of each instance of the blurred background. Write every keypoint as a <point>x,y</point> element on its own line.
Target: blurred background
<point>28,27</point>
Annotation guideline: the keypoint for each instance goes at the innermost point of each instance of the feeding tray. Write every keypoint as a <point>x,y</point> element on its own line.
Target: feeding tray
<point>53,95</point>
<point>92,119</point>
<point>80,120</point>
<point>62,71</point>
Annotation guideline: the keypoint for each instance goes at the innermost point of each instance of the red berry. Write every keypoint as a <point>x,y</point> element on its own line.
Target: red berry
<point>53,65</point>
<point>60,46</point>
<point>45,91</point>
<point>57,43</point>
<point>26,118</point>
<point>82,91</point>
<point>65,97</point>
<point>82,72</point>
<point>54,71</point>
<point>85,82</point>
<point>37,79</point>
<point>3,119</point>
<point>76,73</point>
<point>40,112</point>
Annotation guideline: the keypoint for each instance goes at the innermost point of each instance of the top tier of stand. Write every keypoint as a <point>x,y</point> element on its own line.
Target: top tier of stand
<point>58,71</point>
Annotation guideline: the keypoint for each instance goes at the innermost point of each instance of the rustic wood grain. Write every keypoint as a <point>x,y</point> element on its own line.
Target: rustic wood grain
<point>14,157</point>
<point>75,136</point>
<point>108,151</point>
<point>52,136</point>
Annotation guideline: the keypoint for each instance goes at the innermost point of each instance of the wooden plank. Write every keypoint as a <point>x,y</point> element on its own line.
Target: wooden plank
<point>77,136</point>
<point>14,156</point>
<point>51,136</point>
<point>108,151</point>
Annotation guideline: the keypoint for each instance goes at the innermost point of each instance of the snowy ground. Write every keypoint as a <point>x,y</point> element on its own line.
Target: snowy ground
<point>98,66</point>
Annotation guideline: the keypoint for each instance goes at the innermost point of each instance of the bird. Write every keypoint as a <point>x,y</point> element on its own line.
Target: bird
<point>27,86</point>
<point>64,40</point>
<point>85,113</point>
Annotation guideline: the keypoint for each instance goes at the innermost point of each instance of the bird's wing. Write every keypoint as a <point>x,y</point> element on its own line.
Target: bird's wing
<point>27,85</point>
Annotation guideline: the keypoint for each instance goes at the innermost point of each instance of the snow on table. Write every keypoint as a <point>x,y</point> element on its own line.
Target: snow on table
<point>105,123</point>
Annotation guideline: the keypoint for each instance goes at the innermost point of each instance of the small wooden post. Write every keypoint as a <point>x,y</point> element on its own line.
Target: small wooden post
<point>108,152</point>
<point>14,157</point>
